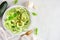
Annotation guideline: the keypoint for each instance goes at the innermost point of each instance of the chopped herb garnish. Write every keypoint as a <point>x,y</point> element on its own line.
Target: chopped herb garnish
<point>13,26</point>
<point>36,31</point>
<point>15,1</point>
<point>34,14</point>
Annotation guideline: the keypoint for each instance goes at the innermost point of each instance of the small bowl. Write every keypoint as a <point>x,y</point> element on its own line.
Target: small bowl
<point>4,19</point>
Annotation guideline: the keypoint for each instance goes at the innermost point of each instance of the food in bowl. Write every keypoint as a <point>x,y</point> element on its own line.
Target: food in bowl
<point>17,19</point>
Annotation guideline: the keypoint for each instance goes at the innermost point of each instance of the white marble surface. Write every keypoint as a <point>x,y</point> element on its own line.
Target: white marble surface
<point>48,19</point>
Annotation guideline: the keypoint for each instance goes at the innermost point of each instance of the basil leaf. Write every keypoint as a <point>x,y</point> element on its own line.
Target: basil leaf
<point>34,14</point>
<point>15,1</point>
<point>36,31</point>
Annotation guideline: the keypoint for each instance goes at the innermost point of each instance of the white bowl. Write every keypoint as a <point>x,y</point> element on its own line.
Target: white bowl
<point>4,19</point>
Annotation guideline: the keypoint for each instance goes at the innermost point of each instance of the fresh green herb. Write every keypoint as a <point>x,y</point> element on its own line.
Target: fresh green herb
<point>34,14</point>
<point>15,1</point>
<point>36,31</point>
